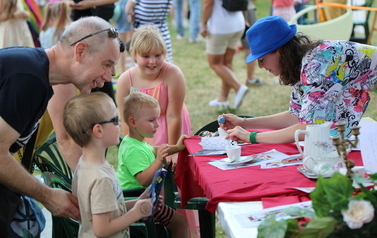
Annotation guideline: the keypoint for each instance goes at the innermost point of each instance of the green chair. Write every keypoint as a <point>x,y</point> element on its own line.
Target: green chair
<point>48,158</point>
<point>214,125</point>
<point>57,173</point>
<point>206,218</point>
<point>63,227</point>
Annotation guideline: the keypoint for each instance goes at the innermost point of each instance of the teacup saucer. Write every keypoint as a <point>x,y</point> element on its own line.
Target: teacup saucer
<point>308,173</point>
<point>243,159</point>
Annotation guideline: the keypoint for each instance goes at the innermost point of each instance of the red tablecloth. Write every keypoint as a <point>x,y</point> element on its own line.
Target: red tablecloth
<point>196,178</point>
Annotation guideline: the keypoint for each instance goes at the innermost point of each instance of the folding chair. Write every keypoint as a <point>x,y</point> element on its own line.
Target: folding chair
<point>206,218</point>
<point>68,228</point>
<point>214,125</point>
<point>364,23</point>
<point>56,173</point>
<point>49,159</point>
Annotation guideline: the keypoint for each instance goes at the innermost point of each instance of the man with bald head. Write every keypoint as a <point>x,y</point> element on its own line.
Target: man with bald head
<point>85,57</point>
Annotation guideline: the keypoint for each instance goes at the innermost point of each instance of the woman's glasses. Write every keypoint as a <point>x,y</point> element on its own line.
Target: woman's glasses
<point>114,120</point>
<point>111,32</point>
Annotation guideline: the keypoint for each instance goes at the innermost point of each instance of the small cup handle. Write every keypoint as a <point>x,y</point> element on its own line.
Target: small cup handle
<point>309,162</point>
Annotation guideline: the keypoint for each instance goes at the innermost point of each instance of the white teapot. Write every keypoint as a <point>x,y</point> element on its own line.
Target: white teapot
<point>317,140</point>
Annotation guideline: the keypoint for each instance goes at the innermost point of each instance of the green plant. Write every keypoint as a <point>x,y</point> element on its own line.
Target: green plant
<point>338,212</point>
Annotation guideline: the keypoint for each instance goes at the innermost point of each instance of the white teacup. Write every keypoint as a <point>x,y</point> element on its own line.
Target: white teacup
<point>326,165</point>
<point>234,153</point>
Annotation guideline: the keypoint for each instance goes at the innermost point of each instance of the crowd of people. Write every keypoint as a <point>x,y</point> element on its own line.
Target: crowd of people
<point>57,91</point>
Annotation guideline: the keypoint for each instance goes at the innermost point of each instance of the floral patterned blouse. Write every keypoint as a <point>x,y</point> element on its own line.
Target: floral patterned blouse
<point>335,79</point>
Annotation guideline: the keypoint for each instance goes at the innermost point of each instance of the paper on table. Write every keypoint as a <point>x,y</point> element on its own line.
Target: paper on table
<point>215,143</point>
<point>258,159</point>
<point>253,219</point>
<point>368,145</point>
<point>213,146</point>
<point>282,161</point>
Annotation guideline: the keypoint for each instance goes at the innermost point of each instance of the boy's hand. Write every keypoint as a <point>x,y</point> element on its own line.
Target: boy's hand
<point>162,152</point>
<point>180,145</point>
<point>144,207</point>
<point>171,161</point>
<point>160,204</point>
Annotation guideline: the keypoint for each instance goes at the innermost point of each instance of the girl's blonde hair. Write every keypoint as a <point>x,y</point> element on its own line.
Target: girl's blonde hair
<point>82,112</point>
<point>147,39</point>
<point>56,16</point>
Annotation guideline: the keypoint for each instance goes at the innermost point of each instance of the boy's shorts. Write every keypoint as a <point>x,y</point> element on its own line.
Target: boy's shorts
<point>164,216</point>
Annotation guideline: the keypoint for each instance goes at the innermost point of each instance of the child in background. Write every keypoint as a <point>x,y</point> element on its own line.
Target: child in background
<point>125,31</point>
<point>162,80</point>
<point>283,8</point>
<point>55,20</point>
<point>144,12</point>
<point>14,30</point>
<point>102,208</point>
<point>139,161</point>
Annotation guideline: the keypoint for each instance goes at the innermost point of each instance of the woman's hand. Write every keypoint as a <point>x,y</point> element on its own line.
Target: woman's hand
<point>231,121</point>
<point>237,134</point>
<point>203,30</point>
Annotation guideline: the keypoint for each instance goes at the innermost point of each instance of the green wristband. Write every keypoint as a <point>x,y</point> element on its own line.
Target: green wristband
<point>252,137</point>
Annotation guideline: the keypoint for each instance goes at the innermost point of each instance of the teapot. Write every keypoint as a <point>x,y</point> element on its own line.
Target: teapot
<point>317,140</point>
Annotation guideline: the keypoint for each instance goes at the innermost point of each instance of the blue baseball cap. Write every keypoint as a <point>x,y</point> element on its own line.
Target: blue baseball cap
<point>267,35</point>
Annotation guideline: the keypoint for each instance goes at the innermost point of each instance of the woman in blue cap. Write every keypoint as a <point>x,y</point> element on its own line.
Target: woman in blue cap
<point>330,81</point>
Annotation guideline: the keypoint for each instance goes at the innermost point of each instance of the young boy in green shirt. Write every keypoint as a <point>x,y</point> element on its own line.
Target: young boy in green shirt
<point>139,161</point>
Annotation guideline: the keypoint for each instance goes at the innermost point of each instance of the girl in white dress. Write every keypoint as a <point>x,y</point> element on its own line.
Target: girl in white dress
<point>14,30</point>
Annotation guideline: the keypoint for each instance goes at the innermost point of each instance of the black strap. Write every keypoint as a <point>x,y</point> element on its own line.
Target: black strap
<point>27,157</point>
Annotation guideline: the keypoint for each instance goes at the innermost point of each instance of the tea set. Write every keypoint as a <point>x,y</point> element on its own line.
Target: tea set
<point>320,156</point>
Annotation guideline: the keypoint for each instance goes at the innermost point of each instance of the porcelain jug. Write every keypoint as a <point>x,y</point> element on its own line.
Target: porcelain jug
<point>317,140</point>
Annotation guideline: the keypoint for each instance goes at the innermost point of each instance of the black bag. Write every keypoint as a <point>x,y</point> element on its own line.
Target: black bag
<point>235,5</point>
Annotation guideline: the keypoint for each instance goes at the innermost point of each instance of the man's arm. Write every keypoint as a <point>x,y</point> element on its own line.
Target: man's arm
<point>15,177</point>
<point>70,151</point>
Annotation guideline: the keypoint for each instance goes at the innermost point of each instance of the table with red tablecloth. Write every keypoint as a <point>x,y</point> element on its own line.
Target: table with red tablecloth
<point>197,178</point>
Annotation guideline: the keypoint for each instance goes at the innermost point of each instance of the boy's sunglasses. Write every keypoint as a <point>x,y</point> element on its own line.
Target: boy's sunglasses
<point>114,120</point>
<point>111,32</point>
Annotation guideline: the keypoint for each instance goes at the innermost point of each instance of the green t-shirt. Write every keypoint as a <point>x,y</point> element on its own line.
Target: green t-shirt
<point>134,157</point>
